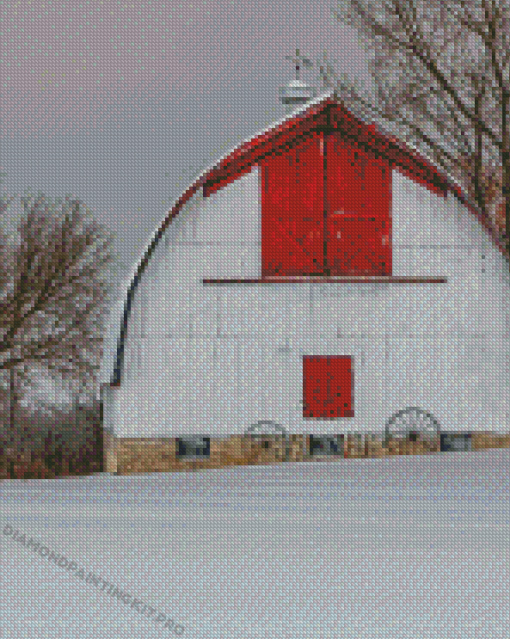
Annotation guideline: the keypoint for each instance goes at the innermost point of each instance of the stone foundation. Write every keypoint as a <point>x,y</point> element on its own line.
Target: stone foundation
<point>160,455</point>
<point>488,439</point>
<point>145,455</point>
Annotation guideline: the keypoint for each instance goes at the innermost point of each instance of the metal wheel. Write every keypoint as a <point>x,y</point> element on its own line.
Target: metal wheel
<point>265,428</point>
<point>412,423</point>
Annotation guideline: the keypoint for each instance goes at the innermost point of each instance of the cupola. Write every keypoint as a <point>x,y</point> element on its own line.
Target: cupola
<point>296,92</point>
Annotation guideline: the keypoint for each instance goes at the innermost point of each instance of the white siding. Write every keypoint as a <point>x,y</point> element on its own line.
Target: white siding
<point>255,311</point>
<point>173,391</point>
<point>207,242</point>
<point>485,385</point>
<point>192,386</point>
<point>419,216</point>
<point>465,384</point>
<point>230,215</point>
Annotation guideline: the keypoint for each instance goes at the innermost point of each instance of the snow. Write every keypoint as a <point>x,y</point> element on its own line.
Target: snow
<point>407,547</point>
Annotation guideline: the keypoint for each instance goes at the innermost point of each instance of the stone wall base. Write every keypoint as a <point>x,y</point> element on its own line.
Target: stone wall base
<point>160,455</point>
<point>145,455</point>
<point>490,440</point>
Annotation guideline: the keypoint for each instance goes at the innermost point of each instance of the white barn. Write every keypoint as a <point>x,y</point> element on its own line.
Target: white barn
<point>320,278</point>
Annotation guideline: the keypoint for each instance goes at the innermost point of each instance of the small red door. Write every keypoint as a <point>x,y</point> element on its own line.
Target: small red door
<point>292,211</point>
<point>358,221</point>
<point>327,386</point>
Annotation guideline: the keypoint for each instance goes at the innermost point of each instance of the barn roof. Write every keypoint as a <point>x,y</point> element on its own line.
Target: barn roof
<point>324,113</point>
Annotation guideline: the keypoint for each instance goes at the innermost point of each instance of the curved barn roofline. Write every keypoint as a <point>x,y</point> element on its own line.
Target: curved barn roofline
<point>131,282</point>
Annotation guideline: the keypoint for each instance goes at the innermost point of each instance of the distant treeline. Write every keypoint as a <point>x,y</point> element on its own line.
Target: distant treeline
<point>39,445</point>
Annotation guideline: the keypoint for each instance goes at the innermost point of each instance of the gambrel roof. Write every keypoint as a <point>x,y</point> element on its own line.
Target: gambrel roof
<point>325,113</point>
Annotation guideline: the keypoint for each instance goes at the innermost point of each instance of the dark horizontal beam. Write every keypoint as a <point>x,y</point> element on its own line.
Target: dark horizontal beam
<point>358,279</point>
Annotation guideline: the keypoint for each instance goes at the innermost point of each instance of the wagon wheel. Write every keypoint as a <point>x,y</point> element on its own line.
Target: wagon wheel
<point>267,427</point>
<point>412,422</point>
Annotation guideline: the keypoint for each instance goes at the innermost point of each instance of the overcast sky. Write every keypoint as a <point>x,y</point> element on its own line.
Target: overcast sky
<point>122,103</point>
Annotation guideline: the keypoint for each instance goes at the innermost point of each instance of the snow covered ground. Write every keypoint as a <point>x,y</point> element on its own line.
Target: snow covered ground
<point>408,547</point>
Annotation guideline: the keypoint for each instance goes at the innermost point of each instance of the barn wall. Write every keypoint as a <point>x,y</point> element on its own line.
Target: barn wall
<point>215,237</point>
<point>419,217</point>
<point>213,360</point>
<point>463,383</point>
<point>204,389</point>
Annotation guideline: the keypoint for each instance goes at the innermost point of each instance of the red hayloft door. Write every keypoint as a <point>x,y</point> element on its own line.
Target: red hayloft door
<point>358,221</point>
<point>327,386</point>
<point>301,237</point>
<point>293,211</point>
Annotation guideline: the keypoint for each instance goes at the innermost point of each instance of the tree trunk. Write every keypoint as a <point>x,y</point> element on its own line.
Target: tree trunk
<point>478,188</point>
<point>12,405</point>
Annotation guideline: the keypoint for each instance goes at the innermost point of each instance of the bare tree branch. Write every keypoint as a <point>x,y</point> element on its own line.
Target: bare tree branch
<point>441,72</point>
<point>53,293</point>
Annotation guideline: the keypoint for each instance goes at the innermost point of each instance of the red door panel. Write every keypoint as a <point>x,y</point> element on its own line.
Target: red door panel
<point>327,387</point>
<point>358,246</point>
<point>346,177</point>
<point>292,212</point>
<point>358,221</point>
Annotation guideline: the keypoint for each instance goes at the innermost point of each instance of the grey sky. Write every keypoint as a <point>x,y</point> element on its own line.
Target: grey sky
<point>122,103</point>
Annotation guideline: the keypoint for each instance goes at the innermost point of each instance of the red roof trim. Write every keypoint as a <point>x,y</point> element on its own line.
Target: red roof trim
<point>327,116</point>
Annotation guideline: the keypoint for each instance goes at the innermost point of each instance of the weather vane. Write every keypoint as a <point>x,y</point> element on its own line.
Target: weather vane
<point>299,61</point>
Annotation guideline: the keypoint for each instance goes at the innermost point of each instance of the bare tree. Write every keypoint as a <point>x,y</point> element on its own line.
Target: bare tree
<point>442,81</point>
<point>53,296</point>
